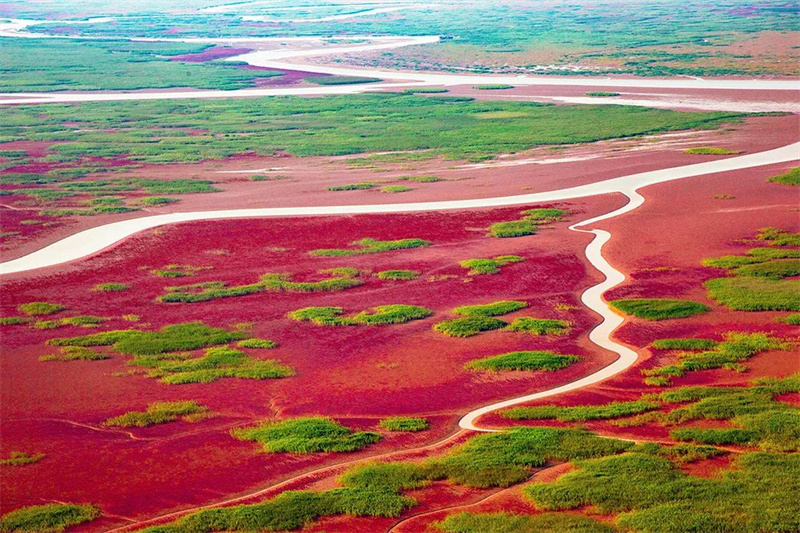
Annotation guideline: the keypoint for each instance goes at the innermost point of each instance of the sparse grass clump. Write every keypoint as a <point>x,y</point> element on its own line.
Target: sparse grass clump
<point>404,423</point>
<point>489,266</point>
<point>658,308</point>
<point>502,307</point>
<point>601,93</point>
<point>175,186</point>
<point>421,179</point>
<point>264,344</point>
<point>712,150</point>
<point>158,200</point>
<point>793,319</point>
<point>354,186</point>
<point>397,274</point>
<point>158,413</point>
<point>40,308</point>
<point>48,518</point>
<point>179,271</point>
<point>372,246</point>
<point>493,87</point>
<point>539,326</point>
<point>527,360</point>
<point>468,326</point>
<point>776,269</point>
<point>791,177</point>
<point>580,413</point>
<point>685,344</point>
<point>425,90</point>
<point>502,522</point>
<point>13,320</point>
<point>513,228</point>
<point>306,435</point>
<point>755,294</point>
<point>111,287</point>
<point>778,237</point>
<point>17,458</point>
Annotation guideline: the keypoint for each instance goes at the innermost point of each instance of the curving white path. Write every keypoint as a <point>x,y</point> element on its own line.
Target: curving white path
<point>91,241</point>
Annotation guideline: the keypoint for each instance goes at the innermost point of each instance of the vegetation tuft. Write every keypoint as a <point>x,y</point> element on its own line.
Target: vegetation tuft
<point>527,360</point>
<point>306,435</point>
<point>658,308</point>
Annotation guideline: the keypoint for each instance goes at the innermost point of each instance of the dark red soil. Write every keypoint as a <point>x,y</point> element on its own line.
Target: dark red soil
<point>357,374</point>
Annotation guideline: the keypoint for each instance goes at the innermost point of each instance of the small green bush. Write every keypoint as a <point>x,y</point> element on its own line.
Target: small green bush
<point>111,287</point>
<point>527,360</point>
<point>394,189</point>
<point>17,458</point>
<point>777,269</point>
<point>580,413</point>
<point>513,228</point>
<point>40,308</point>
<point>658,308</point>
<point>13,320</point>
<point>502,522</point>
<point>354,186</point>
<point>793,319</point>
<point>489,266</point>
<point>421,179</point>
<point>48,518</point>
<point>404,423</point>
<point>500,308</point>
<point>493,87</point>
<point>468,326</point>
<point>778,237</point>
<point>539,326</point>
<point>157,413</point>
<point>264,344</point>
<point>601,93</point>
<point>306,435</point>
<point>685,344</point>
<point>397,274</point>
<point>545,214</point>
<point>76,353</point>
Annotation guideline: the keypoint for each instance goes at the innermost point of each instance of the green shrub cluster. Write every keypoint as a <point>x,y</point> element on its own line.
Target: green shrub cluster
<point>493,87</point>
<point>394,189</point>
<point>158,413</point>
<point>263,344</point>
<point>48,518</point>
<point>527,360</point>
<point>75,353</point>
<point>778,237</point>
<point>468,326</point>
<point>489,266</point>
<point>658,308</point>
<point>685,344</point>
<point>601,93</point>
<point>372,246</point>
<point>502,522</point>
<point>40,308</point>
<point>111,287</point>
<point>404,423</point>
<point>502,307</point>
<point>528,224</point>
<point>306,435</point>
<point>179,271</point>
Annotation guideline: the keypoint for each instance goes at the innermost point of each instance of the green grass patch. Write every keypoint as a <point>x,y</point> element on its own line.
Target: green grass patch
<point>376,316</point>
<point>489,266</point>
<point>158,200</point>
<point>545,214</point>
<point>712,150</point>
<point>48,518</point>
<point>421,179</point>
<point>513,228</point>
<point>340,80</point>
<point>757,495</point>
<point>354,186</point>
<point>176,186</point>
<point>500,308</point>
<point>601,93</point>
<point>263,344</point>
<point>179,271</point>
<point>158,413</point>
<point>658,308</point>
<point>685,344</point>
<point>493,87</point>
<point>404,423</point>
<point>397,274</point>
<point>755,294</point>
<point>791,177</point>
<point>306,435</point>
<point>40,308</point>
<point>394,189</point>
<point>75,353</point>
<point>526,360</point>
<point>539,326</point>
<point>468,326</point>
<point>17,458</point>
<point>425,90</point>
<point>502,522</point>
<point>793,319</point>
<point>13,320</point>
<point>89,212</point>
<point>580,413</point>
<point>372,246</point>
<point>111,287</point>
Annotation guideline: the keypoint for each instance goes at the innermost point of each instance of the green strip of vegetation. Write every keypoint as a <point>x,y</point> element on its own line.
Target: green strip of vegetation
<point>261,344</point>
<point>601,93</point>
<point>306,435</point>
<point>539,326</point>
<point>502,307</point>
<point>340,80</point>
<point>468,326</point>
<point>493,87</point>
<point>755,294</point>
<point>489,266</point>
<point>40,308</point>
<point>712,150</point>
<point>527,360</point>
<point>397,274</point>
<point>111,287</point>
<point>372,246</point>
<point>48,518</point>
<point>521,523</point>
<point>17,458</point>
<point>580,413</point>
<point>404,423</point>
<point>76,353</point>
<point>377,316</point>
<point>394,189</point>
<point>158,413</point>
<point>658,308</point>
